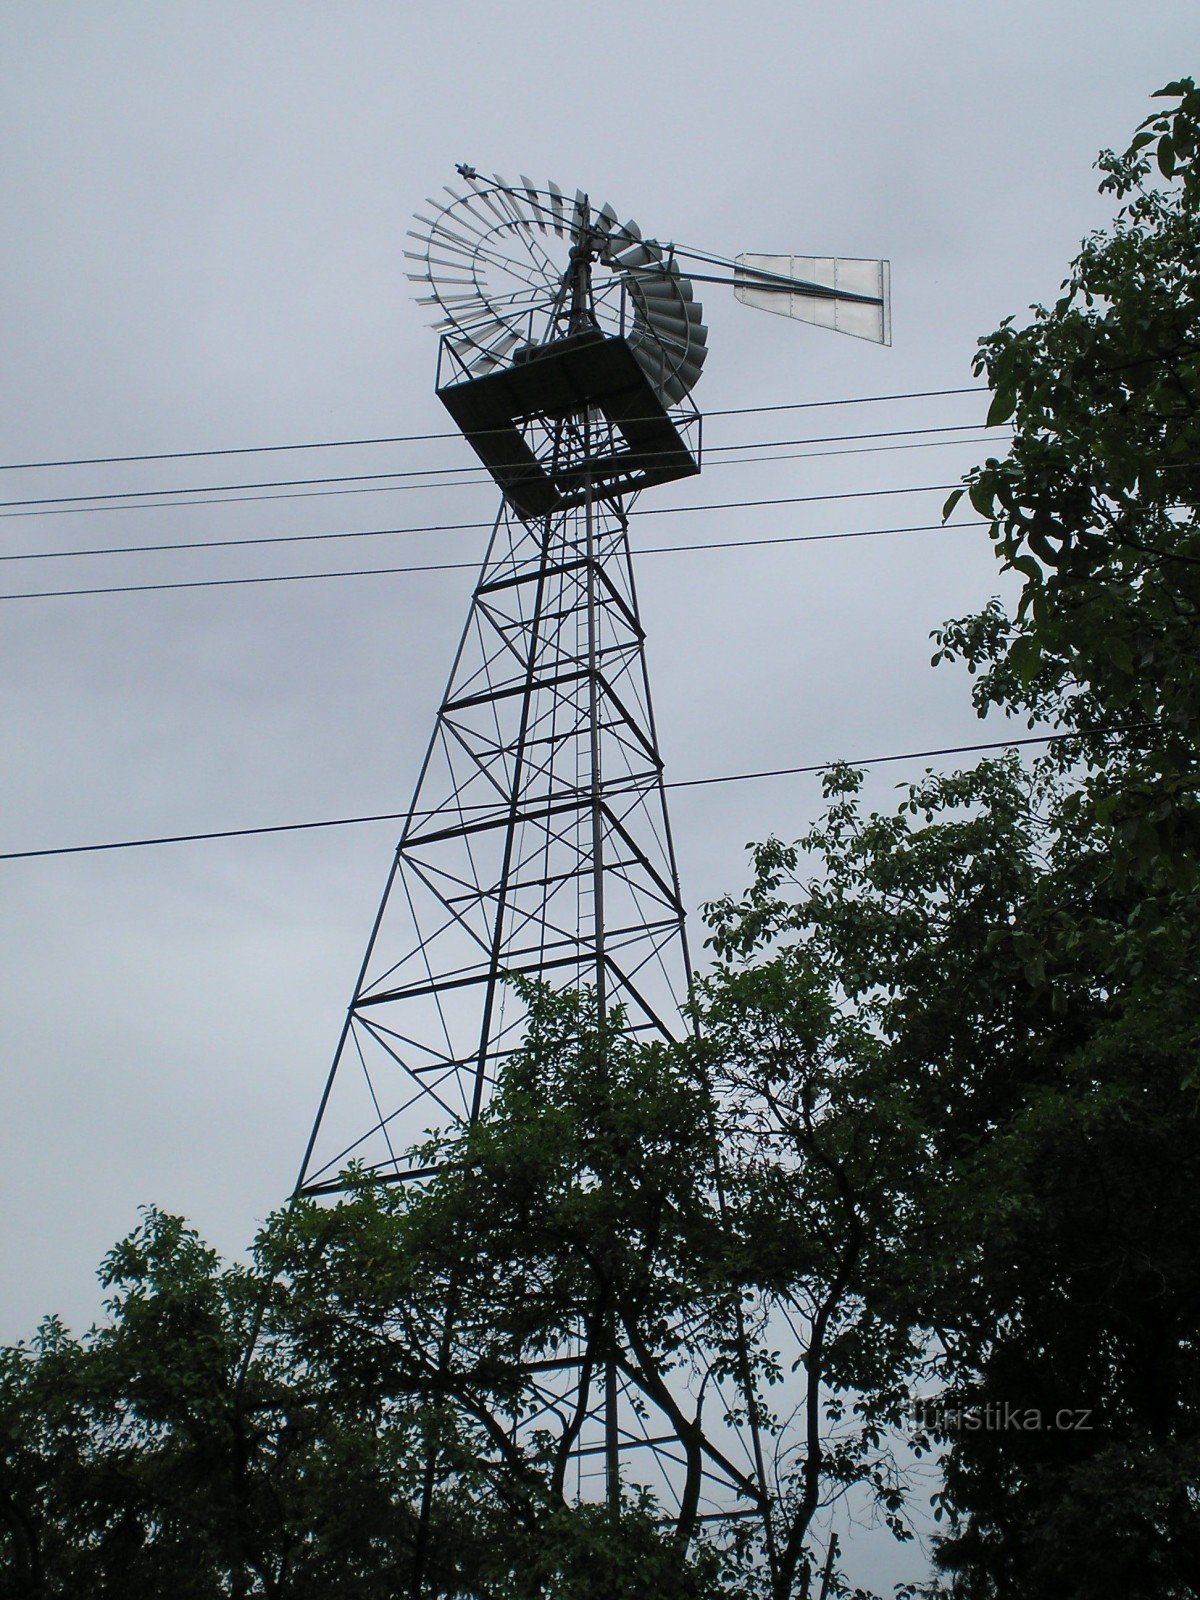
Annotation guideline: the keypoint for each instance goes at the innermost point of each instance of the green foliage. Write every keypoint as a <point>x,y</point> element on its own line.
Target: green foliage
<point>580,1552</point>
<point>954,989</point>
<point>989,997</point>
<point>1078,1293</point>
<point>1095,505</point>
<point>586,1210</point>
<point>141,1460</point>
<point>392,1413</point>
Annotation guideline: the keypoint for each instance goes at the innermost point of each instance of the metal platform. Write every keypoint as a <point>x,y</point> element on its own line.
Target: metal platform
<point>641,445</point>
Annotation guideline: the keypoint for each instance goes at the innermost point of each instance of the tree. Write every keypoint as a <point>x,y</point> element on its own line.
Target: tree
<point>1040,1231</point>
<point>398,1428</point>
<point>602,1210</point>
<point>1095,505</point>
<point>1014,959</point>
<point>573,1220</point>
<point>143,1459</point>
<point>1085,1223</point>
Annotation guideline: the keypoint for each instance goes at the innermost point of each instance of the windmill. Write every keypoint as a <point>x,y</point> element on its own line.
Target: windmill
<point>538,842</point>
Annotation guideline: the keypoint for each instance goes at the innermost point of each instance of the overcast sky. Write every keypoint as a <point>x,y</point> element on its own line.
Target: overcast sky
<point>205,207</point>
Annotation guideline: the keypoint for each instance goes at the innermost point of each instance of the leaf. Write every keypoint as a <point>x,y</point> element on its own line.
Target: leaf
<point>1028,566</point>
<point>1118,652</point>
<point>952,500</point>
<point>1025,657</point>
<point>1042,548</point>
<point>1004,403</point>
<point>983,499</point>
<point>1166,156</point>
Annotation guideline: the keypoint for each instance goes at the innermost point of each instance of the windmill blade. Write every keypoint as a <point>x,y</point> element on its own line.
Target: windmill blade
<point>640,253</point>
<point>492,354</point>
<point>668,337</point>
<point>475,211</point>
<point>535,201</point>
<point>620,237</point>
<point>438,229</point>
<point>510,198</point>
<point>486,194</point>
<point>455,264</point>
<point>484,333</point>
<point>848,295</point>
<point>556,206</point>
<point>442,277</point>
<point>605,218</point>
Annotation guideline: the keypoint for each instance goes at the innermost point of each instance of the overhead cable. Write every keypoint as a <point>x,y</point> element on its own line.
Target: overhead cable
<point>356,533</point>
<point>108,498</point>
<point>399,488</point>
<point>421,438</point>
<point>473,566</point>
<point>452,566</point>
<point>677,783</point>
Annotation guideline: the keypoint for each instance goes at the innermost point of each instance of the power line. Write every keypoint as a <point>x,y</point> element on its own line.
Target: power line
<point>84,501</point>
<point>421,438</point>
<point>400,816</point>
<point>231,544</point>
<point>454,566</point>
<point>463,566</point>
<point>471,566</point>
<point>230,488</point>
<point>400,488</point>
<point>272,538</point>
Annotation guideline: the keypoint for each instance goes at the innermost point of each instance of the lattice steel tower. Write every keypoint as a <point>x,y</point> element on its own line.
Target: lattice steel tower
<point>538,842</point>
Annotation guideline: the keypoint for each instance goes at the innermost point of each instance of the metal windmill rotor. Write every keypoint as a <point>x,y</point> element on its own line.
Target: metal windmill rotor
<point>502,227</point>
<point>538,843</point>
<point>514,270</point>
<point>500,293</point>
